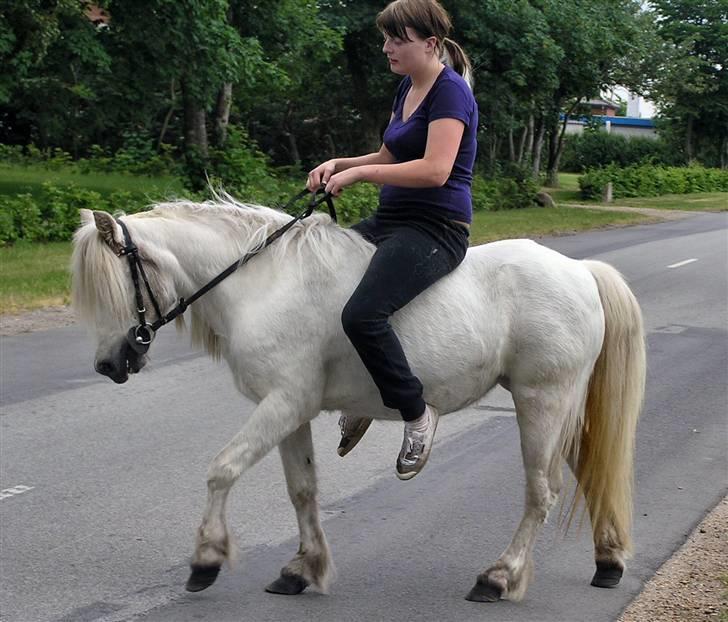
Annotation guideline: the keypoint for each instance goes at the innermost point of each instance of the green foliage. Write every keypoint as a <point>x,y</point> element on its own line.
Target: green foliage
<point>691,79</point>
<point>503,193</point>
<point>53,214</point>
<point>595,149</point>
<point>357,202</point>
<point>649,181</point>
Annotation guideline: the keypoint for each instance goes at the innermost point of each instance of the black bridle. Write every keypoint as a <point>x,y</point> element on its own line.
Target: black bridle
<point>141,336</point>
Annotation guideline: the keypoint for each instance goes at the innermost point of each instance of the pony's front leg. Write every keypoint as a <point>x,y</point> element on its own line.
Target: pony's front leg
<point>312,563</point>
<point>277,415</point>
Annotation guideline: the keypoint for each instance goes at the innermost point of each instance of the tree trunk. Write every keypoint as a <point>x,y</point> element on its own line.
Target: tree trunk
<point>195,123</point>
<point>531,135</point>
<point>170,112</point>
<point>689,140</point>
<point>556,148</point>
<point>330,148</point>
<point>222,113</point>
<point>537,149</point>
<point>724,154</point>
<point>293,148</point>
<point>522,145</point>
<point>511,146</point>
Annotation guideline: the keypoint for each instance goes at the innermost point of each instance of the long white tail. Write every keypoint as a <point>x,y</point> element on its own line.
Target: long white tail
<point>604,465</point>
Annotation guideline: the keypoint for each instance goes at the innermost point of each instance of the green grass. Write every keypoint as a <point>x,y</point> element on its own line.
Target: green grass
<point>29,179</point>
<point>568,190</point>
<point>703,201</point>
<point>539,221</point>
<point>34,276</point>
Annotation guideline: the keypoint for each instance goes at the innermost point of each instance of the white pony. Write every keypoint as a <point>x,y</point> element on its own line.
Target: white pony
<point>565,337</point>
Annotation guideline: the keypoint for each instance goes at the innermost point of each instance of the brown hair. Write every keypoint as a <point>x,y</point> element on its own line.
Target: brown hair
<point>427,18</point>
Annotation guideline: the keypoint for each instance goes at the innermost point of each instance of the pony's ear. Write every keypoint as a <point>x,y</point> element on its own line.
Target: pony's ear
<point>109,230</point>
<point>87,216</point>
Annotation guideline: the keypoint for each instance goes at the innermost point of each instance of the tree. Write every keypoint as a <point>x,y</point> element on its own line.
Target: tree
<point>54,66</point>
<point>691,86</point>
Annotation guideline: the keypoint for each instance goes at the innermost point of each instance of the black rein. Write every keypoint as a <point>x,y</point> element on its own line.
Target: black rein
<point>141,336</point>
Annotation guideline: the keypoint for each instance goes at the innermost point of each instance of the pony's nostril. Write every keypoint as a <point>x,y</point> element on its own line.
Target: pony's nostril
<point>104,367</point>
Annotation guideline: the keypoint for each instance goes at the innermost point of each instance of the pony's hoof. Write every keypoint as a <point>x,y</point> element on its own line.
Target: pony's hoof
<point>202,577</point>
<point>607,575</point>
<point>487,592</point>
<point>288,584</point>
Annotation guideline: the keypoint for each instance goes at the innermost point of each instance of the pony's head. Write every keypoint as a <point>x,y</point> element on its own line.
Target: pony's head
<point>103,292</point>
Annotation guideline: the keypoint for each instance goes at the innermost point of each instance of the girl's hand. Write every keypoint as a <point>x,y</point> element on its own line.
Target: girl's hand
<point>339,181</point>
<point>320,175</point>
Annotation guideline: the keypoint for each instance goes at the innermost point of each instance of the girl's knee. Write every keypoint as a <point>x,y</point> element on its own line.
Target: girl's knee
<point>358,319</point>
<point>351,318</point>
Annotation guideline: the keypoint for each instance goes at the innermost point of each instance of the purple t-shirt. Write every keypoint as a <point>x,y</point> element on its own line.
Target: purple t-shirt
<point>449,98</point>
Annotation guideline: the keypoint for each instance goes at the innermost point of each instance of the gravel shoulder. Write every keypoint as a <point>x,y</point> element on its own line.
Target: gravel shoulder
<point>32,321</point>
<point>692,586</point>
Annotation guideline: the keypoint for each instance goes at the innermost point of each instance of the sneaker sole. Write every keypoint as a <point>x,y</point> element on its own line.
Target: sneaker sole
<point>342,449</point>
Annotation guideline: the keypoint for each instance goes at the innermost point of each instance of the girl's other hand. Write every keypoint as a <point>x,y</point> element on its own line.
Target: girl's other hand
<point>320,175</point>
<point>341,180</point>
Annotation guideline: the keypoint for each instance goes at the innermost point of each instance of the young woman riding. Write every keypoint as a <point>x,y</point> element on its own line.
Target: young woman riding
<point>421,226</point>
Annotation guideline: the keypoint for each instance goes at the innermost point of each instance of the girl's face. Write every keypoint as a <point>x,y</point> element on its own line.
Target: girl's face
<point>407,57</point>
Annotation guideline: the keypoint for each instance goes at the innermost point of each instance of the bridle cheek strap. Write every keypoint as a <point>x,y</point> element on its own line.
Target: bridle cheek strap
<point>142,335</point>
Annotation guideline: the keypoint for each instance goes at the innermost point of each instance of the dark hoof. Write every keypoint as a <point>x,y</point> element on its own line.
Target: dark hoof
<point>287,584</point>
<point>202,577</point>
<point>607,575</point>
<point>485,592</point>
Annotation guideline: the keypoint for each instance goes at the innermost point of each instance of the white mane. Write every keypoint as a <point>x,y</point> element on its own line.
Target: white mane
<point>102,286</point>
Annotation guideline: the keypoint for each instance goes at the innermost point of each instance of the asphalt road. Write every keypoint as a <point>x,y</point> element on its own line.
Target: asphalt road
<point>103,485</point>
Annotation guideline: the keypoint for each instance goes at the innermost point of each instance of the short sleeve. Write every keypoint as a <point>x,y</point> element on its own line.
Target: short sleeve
<point>451,100</point>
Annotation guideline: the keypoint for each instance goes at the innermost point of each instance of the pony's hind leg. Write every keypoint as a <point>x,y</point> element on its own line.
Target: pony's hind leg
<point>542,414</point>
<point>276,416</point>
<point>312,563</point>
<point>610,553</point>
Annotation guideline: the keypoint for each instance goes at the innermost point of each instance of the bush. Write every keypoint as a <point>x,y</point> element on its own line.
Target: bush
<point>54,214</point>
<point>503,193</point>
<point>649,181</point>
<point>598,149</point>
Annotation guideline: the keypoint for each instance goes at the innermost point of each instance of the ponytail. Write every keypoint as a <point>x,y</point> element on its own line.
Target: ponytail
<point>454,56</point>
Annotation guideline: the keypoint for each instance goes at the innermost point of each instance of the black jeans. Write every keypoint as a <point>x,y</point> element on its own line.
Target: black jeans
<point>413,251</point>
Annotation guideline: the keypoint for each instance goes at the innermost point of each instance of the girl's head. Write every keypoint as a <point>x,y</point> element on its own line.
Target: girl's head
<point>416,32</point>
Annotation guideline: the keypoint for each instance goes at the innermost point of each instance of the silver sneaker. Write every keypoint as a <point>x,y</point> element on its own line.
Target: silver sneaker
<point>416,447</point>
<point>352,429</point>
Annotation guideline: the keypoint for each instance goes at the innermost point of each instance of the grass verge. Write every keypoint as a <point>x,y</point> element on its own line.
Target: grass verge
<point>33,276</point>
<point>15,179</point>
<point>539,221</point>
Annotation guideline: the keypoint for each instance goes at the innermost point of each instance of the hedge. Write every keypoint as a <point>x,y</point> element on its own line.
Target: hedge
<point>650,181</point>
<point>596,149</point>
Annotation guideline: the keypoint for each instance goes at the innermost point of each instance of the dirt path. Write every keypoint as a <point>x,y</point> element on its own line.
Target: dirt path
<point>659,214</point>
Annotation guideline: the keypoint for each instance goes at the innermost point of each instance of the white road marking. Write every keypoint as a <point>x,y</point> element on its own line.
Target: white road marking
<point>15,490</point>
<point>682,263</point>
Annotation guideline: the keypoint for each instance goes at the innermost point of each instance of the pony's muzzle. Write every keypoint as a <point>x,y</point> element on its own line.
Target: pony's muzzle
<point>116,369</point>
